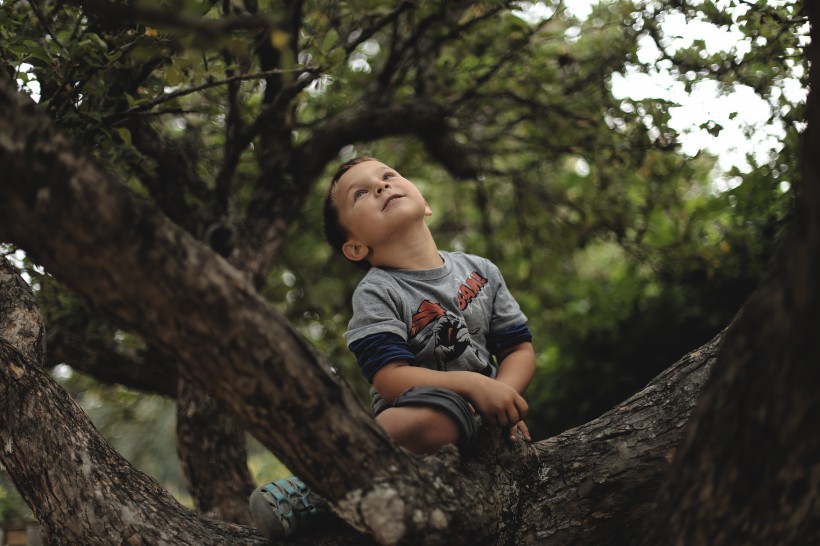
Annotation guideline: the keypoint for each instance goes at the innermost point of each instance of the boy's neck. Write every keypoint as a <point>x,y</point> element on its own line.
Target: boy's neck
<point>416,249</point>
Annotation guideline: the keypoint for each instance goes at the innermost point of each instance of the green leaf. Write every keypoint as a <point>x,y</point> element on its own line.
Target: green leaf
<point>330,40</point>
<point>125,135</point>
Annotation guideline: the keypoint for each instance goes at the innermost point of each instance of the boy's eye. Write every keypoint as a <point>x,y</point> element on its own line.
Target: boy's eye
<point>358,194</point>
<point>385,176</point>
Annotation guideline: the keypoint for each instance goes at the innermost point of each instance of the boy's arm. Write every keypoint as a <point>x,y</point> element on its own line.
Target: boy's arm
<point>517,366</point>
<point>517,369</point>
<point>498,403</point>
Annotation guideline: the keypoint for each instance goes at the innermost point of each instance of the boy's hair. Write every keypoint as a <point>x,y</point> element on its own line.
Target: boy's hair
<point>335,232</point>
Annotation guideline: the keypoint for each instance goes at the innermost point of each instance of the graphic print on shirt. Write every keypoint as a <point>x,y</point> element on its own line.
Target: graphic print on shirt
<point>470,289</point>
<point>446,330</point>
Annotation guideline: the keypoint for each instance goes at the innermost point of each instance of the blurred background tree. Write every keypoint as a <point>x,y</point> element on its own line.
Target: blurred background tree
<point>624,252</point>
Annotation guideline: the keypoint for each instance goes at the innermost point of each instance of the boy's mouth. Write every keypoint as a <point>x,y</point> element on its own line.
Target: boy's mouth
<point>391,199</point>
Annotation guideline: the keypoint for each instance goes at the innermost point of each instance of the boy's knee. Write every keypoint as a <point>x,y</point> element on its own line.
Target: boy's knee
<point>438,414</point>
<point>416,419</point>
<point>420,429</point>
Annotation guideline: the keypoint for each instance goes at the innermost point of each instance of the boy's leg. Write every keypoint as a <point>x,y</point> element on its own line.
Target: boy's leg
<point>425,419</point>
<point>422,430</point>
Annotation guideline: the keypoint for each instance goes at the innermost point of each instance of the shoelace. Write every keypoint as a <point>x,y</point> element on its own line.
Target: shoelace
<point>292,502</point>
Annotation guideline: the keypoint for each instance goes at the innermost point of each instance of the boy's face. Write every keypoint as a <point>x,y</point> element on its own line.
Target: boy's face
<point>374,203</point>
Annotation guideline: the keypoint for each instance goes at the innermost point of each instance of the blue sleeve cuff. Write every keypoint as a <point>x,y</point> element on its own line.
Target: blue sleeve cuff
<point>497,342</point>
<point>374,351</point>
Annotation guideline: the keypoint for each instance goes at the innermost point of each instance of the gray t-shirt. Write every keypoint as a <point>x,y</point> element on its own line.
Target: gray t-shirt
<point>444,314</point>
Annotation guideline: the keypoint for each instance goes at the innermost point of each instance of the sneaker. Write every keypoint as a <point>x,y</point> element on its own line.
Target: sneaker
<point>281,508</point>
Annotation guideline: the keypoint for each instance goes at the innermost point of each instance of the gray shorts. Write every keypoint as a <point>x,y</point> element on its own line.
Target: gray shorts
<point>453,403</point>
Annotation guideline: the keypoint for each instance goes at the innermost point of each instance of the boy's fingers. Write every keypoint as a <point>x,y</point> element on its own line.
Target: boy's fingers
<point>525,433</point>
<point>513,434</point>
<point>522,426</point>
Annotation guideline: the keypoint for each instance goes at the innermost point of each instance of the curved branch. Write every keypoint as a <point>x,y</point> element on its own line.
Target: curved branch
<point>287,177</point>
<point>106,500</point>
<point>425,120</point>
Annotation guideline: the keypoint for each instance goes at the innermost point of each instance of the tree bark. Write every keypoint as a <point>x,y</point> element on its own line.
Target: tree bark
<point>208,441</point>
<point>595,484</point>
<point>78,487</point>
<point>20,322</point>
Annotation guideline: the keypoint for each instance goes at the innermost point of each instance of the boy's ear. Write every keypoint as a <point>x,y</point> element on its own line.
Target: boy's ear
<point>355,251</point>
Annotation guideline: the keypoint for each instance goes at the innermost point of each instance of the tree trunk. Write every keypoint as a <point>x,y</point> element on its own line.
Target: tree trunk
<point>758,480</point>
<point>78,487</point>
<point>211,447</point>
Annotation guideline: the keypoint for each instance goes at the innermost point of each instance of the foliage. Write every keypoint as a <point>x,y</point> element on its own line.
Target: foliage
<point>619,248</point>
<point>12,507</point>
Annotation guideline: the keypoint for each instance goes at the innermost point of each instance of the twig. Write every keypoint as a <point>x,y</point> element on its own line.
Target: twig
<point>213,83</point>
<point>40,17</point>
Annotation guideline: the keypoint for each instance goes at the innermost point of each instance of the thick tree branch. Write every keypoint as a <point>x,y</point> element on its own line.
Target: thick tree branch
<point>594,484</point>
<point>70,217</point>
<point>103,493</point>
<point>47,433</point>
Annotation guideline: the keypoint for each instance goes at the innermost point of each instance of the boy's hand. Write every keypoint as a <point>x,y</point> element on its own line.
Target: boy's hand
<point>499,404</point>
<point>522,427</point>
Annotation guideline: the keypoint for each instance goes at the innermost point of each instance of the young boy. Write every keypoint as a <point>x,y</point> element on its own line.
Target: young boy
<point>437,334</point>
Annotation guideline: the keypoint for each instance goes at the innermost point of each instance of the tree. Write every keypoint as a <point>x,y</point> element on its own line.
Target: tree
<point>72,217</point>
